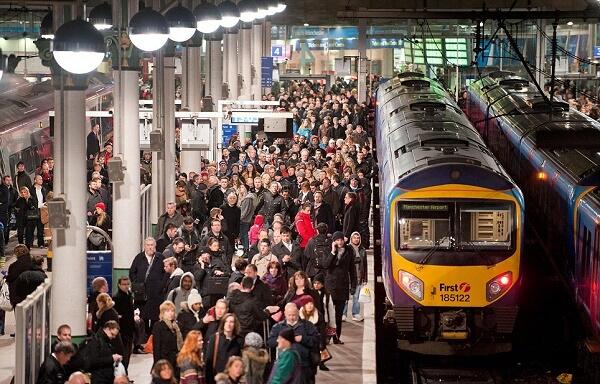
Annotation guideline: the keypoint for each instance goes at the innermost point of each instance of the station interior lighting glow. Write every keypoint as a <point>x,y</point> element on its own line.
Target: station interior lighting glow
<point>148,30</point>
<point>230,14</point>
<point>248,10</point>
<point>78,47</point>
<point>208,17</point>
<point>182,23</point>
<point>101,16</point>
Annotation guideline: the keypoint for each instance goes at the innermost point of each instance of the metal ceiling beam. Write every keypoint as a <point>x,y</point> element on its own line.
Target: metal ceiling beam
<point>590,13</point>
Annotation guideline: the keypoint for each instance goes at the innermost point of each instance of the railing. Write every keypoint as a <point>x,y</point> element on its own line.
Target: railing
<point>145,199</point>
<point>32,334</point>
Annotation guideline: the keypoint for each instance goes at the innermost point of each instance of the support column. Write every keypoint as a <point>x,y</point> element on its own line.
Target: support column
<point>126,235</point>
<point>362,60</point>
<point>232,64</point>
<point>256,55</point>
<point>216,84</point>
<point>158,158</point>
<point>540,54</point>
<point>69,270</point>
<point>169,127</point>
<point>192,99</point>
<point>225,53</point>
<point>266,42</point>
<point>246,61</point>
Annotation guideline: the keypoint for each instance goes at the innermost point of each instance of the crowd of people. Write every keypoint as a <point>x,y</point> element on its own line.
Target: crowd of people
<point>251,270</point>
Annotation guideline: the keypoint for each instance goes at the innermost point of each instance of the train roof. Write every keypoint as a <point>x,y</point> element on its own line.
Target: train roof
<point>421,127</point>
<point>530,114</point>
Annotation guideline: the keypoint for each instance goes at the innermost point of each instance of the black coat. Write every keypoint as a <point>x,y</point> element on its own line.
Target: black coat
<point>23,205</point>
<point>51,372</point>
<point>295,263</point>
<point>187,321</point>
<point>154,283</point>
<point>315,253</point>
<point>214,197</point>
<point>272,204</point>
<point>324,214</point>
<point>22,179</point>
<point>340,279</point>
<point>99,360</point>
<point>93,145</point>
<point>249,312</point>
<point>8,197</point>
<point>124,307</point>
<point>106,316</point>
<point>28,281</point>
<point>351,219</point>
<point>262,292</point>
<point>163,242</point>
<point>311,339</point>
<point>164,343</point>
<point>22,264</point>
<point>232,218</point>
<point>225,349</point>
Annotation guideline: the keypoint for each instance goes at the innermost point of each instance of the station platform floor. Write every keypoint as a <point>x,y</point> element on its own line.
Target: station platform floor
<point>352,363</point>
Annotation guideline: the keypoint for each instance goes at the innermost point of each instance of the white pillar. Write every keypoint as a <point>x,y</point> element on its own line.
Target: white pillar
<point>216,84</point>
<point>266,42</point>
<point>232,64</point>
<point>158,158</point>
<point>192,98</point>
<point>126,235</point>
<point>169,127</point>
<point>256,55</point>
<point>246,62</point>
<point>69,269</point>
<point>225,57</point>
<point>362,60</point>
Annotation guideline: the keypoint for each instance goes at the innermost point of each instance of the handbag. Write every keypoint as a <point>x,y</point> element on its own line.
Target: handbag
<point>325,355</point>
<point>216,285</point>
<point>139,291</point>
<point>277,316</point>
<point>33,214</point>
<point>330,331</point>
<point>5,304</point>
<point>364,296</point>
<point>120,369</point>
<point>149,346</point>
<point>96,239</point>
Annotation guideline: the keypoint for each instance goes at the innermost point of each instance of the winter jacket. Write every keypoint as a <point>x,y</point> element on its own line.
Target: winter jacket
<point>295,263</point>
<point>180,295</point>
<point>259,222</point>
<point>164,342</point>
<point>225,348</point>
<point>173,281</point>
<point>249,312</point>
<point>22,264</point>
<point>232,215</point>
<point>262,262</point>
<point>164,219</point>
<point>304,227</point>
<point>98,356</point>
<point>278,285</point>
<point>351,221</point>
<point>255,361</point>
<point>124,307</point>
<point>28,281</point>
<point>315,253</point>
<point>154,283</point>
<point>340,278</point>
<point>272,204</point>
<point>286,366</point>
<point>188,320</point>
<point>247,206</point>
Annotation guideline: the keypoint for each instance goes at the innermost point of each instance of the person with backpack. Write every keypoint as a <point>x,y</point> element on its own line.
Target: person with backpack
<point>316,250</point>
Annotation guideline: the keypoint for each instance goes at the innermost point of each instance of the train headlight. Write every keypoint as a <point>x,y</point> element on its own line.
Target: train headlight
<point>413,285</point>
<point>498,285</point>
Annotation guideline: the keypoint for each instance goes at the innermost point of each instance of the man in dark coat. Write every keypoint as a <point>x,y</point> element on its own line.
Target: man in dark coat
<point>22,179</point>
<point>232,214</point>
<point>272,203</point>
<point>288,252</point>
<point>306,336</point>
<point>259,290</point>
<point>340,278</point>
<point>322,212</point>
<point>214,194</point>
<point>22,264</point>
<point>93,143</point>
<point>316,251</point>
<point>167,238</point>
<point>53,369</point>
<point>170,216</point>
<point>123,300</point>
<point>351,221</point>
<point>249,311</point>
<point>29,280</point>
<point>147,280</point>
<point>8,198</point>
<point>99,354</point>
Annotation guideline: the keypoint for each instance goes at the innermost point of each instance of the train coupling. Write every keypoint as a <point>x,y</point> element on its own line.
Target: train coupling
<point>453,325</point>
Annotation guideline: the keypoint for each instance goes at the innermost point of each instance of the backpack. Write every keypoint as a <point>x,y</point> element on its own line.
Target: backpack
<point>320,250</point>
<point>81,359</point>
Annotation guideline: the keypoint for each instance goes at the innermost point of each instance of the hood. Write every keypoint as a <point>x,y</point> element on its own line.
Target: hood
<point>187,274</point>
<point>177,272</point>
<point>259,220</point>
<point>360,237</point>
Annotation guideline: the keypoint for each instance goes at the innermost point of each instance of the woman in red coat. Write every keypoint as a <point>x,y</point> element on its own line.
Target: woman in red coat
<point>304,225</point>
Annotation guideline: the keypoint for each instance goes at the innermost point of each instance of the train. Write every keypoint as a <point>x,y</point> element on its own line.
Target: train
<point>26,132</point>
<point>559,177</point>
<point>451,224</point>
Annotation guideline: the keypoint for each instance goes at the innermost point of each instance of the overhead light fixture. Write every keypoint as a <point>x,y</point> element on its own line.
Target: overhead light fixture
<point>569,23</point>
<point>3,61</point>
<point>182,23</point>
<point>47,27</point>
<point>148,30</point>
<point>281,6</point>
<point>248,10</point>
<point>306,24</point>
<point>230,14</point>
<point>272,7</point>
<point>208,17</point>
<point>263,8</point>
<point>101,16</point>
<point>78,47</point>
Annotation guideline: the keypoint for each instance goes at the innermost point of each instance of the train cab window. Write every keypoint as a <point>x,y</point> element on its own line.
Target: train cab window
<point>424,224</point>
<point>485,226</point>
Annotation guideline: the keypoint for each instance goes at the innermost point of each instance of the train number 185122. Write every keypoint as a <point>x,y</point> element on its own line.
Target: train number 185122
<point>455,297</point>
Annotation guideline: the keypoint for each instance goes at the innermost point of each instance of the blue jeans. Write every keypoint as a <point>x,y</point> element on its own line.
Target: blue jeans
<point>355,303</point>
<point>244,228</point>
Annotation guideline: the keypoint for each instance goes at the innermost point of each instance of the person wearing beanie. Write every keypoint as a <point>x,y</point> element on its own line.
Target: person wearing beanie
<point>288,359</point>
<point>191,314</point>
<point>102,220</point>
<point>255,358</point>
<point>360,263</point>
<point>340,277</point>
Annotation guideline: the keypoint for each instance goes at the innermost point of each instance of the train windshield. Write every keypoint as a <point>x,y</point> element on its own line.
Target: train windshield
<point>466,232</point>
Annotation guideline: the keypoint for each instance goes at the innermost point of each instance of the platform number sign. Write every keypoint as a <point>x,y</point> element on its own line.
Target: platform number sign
<point>266,71</point>
<point>277,51</point>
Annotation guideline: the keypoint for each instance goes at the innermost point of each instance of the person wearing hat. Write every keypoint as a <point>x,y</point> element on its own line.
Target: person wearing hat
<point>340,277</point>
<point>288,361</point>
<point>223,169</point>
<point>192,312</point>
<point>255,358</point>
<point>102,220</point>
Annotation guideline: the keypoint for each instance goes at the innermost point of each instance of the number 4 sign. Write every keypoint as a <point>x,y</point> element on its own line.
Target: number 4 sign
<point>277,51</point>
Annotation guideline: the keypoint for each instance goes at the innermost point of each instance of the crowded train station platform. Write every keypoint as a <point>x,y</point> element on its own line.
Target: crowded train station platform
<point>294,192</point>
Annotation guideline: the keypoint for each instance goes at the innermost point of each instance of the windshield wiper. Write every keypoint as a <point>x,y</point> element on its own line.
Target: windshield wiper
<point>436,246</point>
<point>486,258</point>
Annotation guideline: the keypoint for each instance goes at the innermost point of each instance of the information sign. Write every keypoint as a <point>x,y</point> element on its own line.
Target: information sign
<point>266,71</point>
<point>99,264</point>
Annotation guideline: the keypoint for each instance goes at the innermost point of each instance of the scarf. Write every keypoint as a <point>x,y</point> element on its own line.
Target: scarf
<point>175,329</point>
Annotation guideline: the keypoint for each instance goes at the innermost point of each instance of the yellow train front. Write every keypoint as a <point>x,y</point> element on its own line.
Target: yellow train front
<point>452,225</point>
